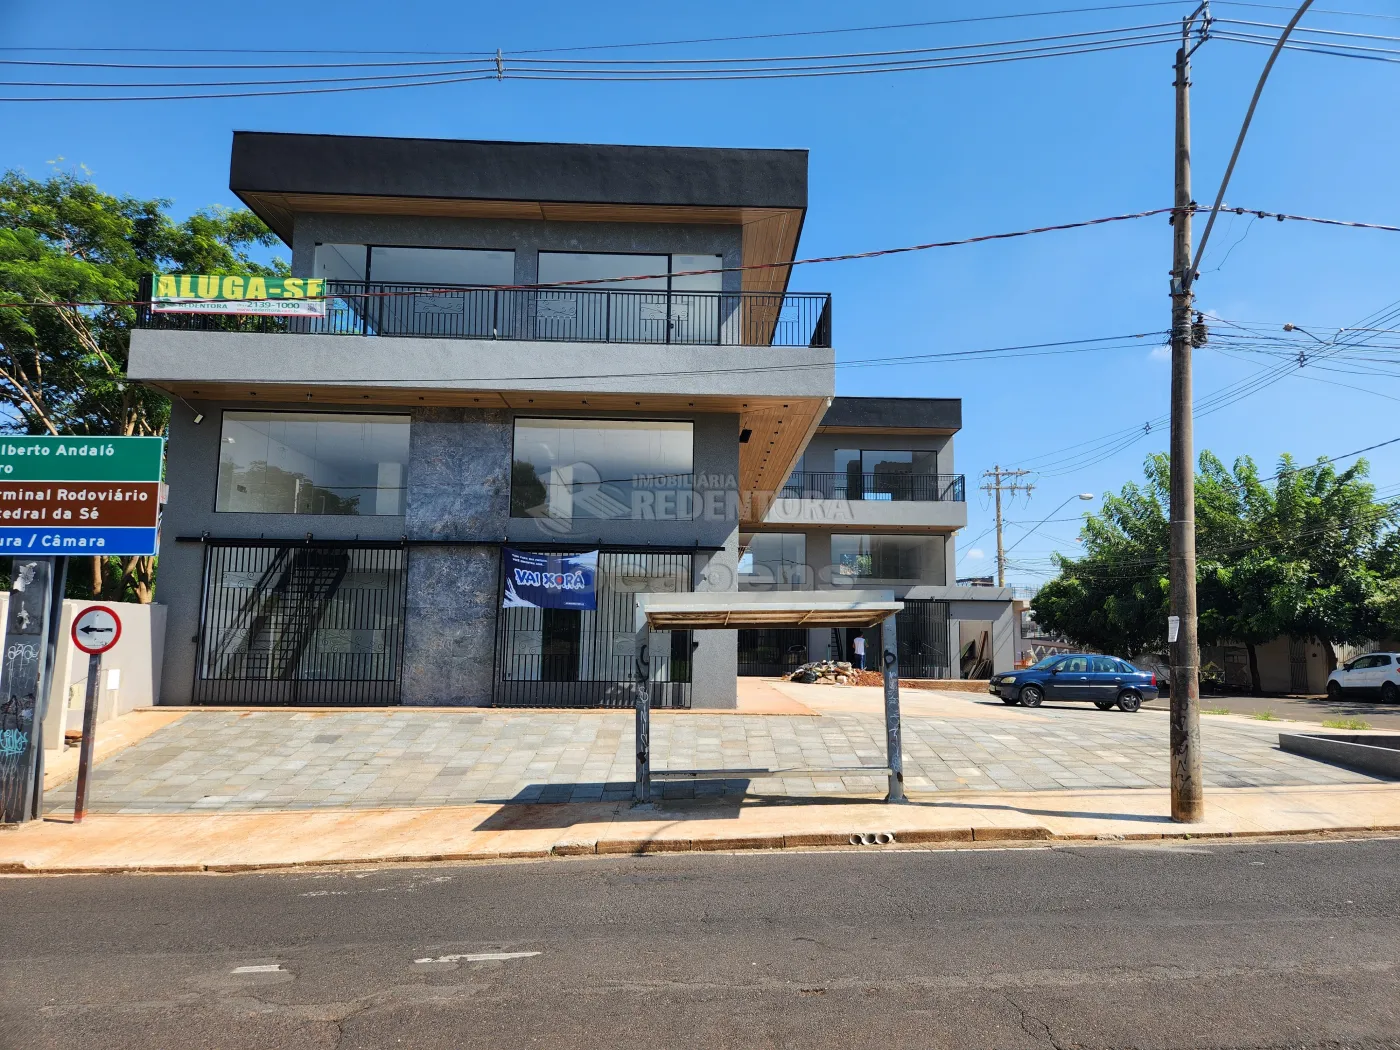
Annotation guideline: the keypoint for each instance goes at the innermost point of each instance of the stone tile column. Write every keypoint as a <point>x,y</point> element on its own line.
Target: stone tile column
<point>458,489</point>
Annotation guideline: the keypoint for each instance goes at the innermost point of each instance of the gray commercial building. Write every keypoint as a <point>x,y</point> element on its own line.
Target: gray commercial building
<point>341,485</point>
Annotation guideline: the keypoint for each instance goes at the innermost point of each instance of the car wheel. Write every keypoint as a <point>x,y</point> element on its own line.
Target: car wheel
<point>1031,696</point>
<point>1104,705</point>
<point>1129,701</point>
<point>1334,691</point>
<point>1389,694</point>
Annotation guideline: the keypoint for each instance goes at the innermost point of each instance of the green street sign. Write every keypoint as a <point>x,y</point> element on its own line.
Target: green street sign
<point>81,458</point>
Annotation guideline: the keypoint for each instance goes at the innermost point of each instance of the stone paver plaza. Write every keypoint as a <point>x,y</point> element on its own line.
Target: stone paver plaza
<point>226,760</point>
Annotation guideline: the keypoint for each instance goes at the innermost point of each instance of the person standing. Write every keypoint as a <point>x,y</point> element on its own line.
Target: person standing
<point>858,650</point>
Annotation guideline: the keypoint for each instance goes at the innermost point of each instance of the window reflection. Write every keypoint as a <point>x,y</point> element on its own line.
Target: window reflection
<point>776,558</point>
<point>312,463</point>
<point>659,308</point>
<point>602,468</point>
<point>887,558</point>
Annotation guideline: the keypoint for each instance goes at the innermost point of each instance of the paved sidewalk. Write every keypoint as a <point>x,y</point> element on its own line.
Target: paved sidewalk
<point>248,841</point>
<point>249,761</point>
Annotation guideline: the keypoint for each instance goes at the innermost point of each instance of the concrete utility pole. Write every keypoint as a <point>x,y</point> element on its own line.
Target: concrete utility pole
<point>996,487</point>
<point>1188,799</point>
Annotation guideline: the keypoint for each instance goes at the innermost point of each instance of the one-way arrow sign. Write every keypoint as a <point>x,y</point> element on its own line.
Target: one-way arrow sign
<point>96,629</point>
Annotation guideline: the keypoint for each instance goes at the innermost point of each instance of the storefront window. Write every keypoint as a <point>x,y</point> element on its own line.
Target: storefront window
<point>312,463</point>
<point>904,558</point>
<point>602,468</point>
<point>778,558</point>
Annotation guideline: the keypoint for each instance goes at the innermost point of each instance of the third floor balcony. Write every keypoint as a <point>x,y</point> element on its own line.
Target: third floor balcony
<point>357,308</point>
<point>889,487</point>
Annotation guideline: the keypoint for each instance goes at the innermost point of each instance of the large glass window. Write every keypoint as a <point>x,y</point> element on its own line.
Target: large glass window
<point>395,265</point>
<point>438,303</point>
<point>440,266</point>
<point>658,309</point>
<point>904,558</point>
<point>887,461</point>
<point>602,468</point>
<point>312,463</point>
<point>777,558</point>
<point>889,474</point>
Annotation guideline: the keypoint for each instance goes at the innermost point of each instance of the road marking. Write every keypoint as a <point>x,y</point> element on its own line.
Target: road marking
<point>479,957</point>
<point>268,968</point>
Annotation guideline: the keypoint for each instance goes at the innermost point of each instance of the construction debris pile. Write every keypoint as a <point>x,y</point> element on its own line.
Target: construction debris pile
<point>834,672</point>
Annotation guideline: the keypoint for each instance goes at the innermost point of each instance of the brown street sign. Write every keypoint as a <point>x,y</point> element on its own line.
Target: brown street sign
<point>109,504</point>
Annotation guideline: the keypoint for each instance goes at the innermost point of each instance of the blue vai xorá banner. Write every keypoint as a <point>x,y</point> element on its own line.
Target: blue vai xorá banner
<point>550,581</point>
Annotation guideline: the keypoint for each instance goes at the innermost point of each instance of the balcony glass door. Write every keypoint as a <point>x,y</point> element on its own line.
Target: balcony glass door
<point>608,311</point>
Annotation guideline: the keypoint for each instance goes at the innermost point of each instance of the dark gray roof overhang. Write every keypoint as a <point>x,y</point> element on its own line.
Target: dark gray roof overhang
<point>275,172</point>
<point>930,414</point>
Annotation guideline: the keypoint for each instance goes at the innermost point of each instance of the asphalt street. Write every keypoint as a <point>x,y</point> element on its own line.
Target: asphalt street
<point>1196,944</point>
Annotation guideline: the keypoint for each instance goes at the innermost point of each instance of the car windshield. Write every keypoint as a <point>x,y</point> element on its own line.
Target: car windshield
<point>1047,663</point>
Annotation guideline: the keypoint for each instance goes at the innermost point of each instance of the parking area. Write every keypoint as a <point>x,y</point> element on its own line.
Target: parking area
<point>1311,709</point>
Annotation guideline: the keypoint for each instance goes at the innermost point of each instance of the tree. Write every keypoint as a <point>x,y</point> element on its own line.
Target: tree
<point>63,242</point>
<point>1114,598</point>
<point>1338,579</point>
<point>1316,556</point>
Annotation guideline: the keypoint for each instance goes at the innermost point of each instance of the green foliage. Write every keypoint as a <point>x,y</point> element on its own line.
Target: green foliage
<point>1346,723</point>
<point>62,240</point>
<point>1312,556</point>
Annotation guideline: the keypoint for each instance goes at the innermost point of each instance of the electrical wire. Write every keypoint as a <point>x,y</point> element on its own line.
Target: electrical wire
<point>571,78</point>
<point>848,257</point>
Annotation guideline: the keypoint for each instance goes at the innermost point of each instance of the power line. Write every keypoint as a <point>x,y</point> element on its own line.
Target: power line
<point>652,74</point>
<point>592,283</point>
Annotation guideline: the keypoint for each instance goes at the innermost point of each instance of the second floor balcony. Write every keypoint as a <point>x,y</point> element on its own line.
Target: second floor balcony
<point>357,308</point>
<point>889,487</point>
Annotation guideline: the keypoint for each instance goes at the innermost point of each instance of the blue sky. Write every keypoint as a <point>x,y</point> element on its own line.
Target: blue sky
<point>895,159</point>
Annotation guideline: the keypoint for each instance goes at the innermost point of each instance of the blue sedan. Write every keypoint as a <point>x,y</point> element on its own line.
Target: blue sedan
<point>1104,681</point>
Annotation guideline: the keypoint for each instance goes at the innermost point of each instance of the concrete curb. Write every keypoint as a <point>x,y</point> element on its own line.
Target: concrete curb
<point>950,838</point>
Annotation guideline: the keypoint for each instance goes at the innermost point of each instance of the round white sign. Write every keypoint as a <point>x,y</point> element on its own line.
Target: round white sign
<point>96,629</point>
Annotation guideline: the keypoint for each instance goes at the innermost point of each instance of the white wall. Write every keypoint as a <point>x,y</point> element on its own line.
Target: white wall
<point>136,659</point>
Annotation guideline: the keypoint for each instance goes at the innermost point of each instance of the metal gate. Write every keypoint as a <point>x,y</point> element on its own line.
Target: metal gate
<point>573,658</point>
<point>286,624</point>
<point>771,651</point>
<point>922,626</point>
<point>1297,666</point>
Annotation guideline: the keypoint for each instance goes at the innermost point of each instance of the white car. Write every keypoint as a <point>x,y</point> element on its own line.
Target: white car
<point>1373,675</point>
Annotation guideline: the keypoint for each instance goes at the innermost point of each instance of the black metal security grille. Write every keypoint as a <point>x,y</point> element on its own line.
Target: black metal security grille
<point>770,651</point>
<point>301,624</point>
<point>572,315</point>
<point>572,658</point>
<point>922,627</point>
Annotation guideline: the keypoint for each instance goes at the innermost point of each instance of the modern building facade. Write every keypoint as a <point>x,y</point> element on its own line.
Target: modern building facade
<point>553,347</point>
<point>876,501</point>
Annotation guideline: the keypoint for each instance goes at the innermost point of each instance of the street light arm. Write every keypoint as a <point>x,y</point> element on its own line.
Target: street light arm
<point>1047,518</point>
<point>1189,278</point>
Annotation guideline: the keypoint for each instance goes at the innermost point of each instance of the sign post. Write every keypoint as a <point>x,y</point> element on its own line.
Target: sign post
<point>80,495</point>
<point>22,682</point>
<point>59,497</point>
<point>95,630</point>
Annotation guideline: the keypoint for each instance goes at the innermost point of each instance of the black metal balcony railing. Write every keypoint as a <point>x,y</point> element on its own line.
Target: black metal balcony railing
<point>900,487</point>
<point>564,315</point>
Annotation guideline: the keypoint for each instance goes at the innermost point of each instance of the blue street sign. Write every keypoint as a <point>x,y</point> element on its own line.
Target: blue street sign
<point>71,540</point>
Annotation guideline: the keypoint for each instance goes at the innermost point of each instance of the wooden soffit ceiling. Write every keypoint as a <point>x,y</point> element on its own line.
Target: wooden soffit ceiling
<point>769,234</point>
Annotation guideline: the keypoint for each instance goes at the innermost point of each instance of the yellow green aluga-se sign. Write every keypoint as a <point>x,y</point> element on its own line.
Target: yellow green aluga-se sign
<point>196,293</point>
